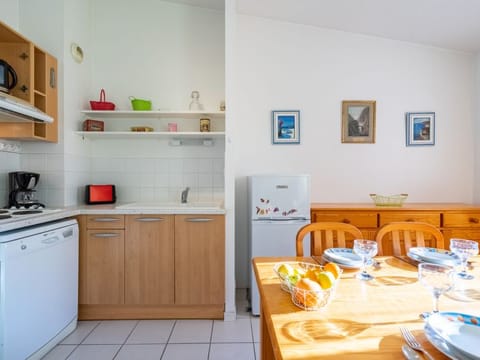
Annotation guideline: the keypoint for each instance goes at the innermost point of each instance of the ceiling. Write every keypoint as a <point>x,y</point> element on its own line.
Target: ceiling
<point>451,24</point>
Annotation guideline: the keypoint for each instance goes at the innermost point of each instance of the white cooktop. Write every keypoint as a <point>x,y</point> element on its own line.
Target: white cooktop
<point>11,219</point>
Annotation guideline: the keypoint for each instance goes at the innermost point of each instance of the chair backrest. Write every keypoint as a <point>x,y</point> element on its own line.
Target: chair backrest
<point>326,235</point>
<point>396,238</point>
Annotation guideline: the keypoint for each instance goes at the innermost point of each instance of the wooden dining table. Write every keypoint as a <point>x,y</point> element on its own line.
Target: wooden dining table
<point>362,320</point>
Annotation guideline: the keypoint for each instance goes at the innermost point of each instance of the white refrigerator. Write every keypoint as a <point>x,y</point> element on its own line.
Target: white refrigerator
<point>279,205</point>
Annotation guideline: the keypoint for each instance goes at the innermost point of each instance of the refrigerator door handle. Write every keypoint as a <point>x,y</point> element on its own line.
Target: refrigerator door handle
<point>280,220</point>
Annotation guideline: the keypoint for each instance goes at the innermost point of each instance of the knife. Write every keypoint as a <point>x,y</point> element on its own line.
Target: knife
<point>407,259</point>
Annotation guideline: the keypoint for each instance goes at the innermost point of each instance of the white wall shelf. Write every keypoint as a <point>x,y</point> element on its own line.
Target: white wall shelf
<point>152,134</point>
<point>153,113</point>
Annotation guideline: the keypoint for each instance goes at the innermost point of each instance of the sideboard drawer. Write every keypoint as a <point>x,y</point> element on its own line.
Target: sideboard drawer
<point>431,218</point>
<point>467,219</point>
<point>358,219</point>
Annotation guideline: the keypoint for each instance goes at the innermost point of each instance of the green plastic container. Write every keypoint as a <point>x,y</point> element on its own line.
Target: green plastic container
<point>140,105</point>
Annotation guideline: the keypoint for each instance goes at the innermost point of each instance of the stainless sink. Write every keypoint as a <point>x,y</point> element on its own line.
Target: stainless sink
<point>171,206</point>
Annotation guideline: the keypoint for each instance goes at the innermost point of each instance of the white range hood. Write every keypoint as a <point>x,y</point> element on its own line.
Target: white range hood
<point>12,110</point>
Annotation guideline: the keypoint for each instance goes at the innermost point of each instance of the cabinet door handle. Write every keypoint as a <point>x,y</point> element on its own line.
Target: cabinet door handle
<point>410,220</point>
<point>106,219</point>
<point>149,219</point>
<point>53,81</point>
<point>474,220</point>
<point>346,221</point>
<point>105,235</point>
<point>198,219</point>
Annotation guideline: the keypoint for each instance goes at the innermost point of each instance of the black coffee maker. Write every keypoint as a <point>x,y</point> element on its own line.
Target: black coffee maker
<point>22,190</point>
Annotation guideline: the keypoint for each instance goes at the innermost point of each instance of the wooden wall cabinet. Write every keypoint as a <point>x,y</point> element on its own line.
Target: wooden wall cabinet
<point>37,84</point>
<point>151,266</point>
<point>454,220</point>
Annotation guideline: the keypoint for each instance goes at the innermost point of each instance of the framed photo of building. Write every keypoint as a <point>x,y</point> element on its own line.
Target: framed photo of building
<point>358,121</point>
<point>286,127</point>
<point>420,128</point>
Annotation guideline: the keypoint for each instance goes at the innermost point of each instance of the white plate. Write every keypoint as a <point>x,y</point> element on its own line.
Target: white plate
<point>436,256</point>
<point>343,256</point>
<point>459,331</point>
<point>343,266</point>
<point>443,346</point>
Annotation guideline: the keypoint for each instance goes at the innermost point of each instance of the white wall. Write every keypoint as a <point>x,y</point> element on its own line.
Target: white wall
<point>476,181</point>
<point>159,51</point>
<point>283,66</point>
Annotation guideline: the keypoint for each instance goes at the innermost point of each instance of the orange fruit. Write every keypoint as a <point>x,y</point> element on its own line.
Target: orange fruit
<point>305,292</point>
<point>333,268</point>
<point>311,274</point>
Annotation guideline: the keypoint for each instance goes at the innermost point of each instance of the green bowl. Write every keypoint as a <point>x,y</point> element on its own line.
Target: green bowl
<point>141,105</point>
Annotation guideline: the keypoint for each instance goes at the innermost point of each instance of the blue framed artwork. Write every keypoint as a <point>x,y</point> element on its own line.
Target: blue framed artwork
<point>420,128</point>
<point>286,127</point>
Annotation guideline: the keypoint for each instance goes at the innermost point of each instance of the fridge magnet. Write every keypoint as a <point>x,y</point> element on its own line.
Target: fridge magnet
<point>420,128</point>
<point>286,127</point>
<point>358,121</point>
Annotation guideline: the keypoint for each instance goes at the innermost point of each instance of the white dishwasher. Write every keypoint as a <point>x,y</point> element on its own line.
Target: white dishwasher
<point>38,288</point>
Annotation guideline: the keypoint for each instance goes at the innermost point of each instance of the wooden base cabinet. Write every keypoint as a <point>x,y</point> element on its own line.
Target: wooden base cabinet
<point>102,256</point>
<point>151,266</point>
<point>199,259</point>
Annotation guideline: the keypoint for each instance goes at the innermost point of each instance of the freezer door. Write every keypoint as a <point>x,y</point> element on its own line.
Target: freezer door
<point>273,238</point>
<point>279,196</point>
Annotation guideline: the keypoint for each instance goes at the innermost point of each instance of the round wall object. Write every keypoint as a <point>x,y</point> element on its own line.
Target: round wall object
<point>77,53</point>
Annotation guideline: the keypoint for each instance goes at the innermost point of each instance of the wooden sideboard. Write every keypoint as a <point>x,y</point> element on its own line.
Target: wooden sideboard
<point>455,220</point>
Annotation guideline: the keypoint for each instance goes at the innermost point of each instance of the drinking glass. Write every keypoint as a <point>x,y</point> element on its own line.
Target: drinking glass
<point>464,249</point>
<point>436,278</point>
<point>366,249</point>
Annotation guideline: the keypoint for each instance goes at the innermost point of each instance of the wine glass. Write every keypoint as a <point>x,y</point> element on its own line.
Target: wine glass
<point>436,278</point>
<point>366,249</point>
<point>464,249</point>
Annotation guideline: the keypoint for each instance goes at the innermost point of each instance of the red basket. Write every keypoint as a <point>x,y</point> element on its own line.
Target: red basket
<point>102,104</point>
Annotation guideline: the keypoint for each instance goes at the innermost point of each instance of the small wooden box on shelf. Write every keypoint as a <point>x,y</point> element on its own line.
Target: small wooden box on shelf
<point>37,84</point>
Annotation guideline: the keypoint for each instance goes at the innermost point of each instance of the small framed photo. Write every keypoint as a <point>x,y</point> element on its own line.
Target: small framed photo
<point>420,128</point>
<point>286,127</point>
<point>358,121</point>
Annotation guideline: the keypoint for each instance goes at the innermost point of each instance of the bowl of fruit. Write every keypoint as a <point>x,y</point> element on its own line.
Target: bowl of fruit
<point>311,286</point>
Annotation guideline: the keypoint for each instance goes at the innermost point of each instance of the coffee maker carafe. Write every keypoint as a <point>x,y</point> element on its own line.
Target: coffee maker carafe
<point>22,190</point>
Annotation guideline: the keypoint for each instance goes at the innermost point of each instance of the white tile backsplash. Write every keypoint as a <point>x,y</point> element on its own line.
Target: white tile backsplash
<point>141,170</point>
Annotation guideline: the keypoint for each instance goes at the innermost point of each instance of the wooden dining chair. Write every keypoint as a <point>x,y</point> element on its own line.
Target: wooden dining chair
<point>324,235</point>
<point>396,238</point>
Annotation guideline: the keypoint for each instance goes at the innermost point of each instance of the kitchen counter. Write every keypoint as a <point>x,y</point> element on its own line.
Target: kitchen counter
<point>113,209</point>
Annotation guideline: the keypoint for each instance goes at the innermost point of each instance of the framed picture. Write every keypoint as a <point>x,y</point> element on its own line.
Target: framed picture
<point>286,127</point>
<point>358,121</point>
<point>420,128</point>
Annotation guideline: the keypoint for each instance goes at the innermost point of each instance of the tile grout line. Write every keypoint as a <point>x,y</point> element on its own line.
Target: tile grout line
<point>81,341</point>
<point>126,339</point>
<point>168,339</point>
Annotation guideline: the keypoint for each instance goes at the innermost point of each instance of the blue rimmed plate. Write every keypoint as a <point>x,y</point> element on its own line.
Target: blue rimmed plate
<point>459,331</point>
<point>433,255</point>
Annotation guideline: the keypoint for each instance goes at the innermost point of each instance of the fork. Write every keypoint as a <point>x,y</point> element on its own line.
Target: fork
<point>413,343</point>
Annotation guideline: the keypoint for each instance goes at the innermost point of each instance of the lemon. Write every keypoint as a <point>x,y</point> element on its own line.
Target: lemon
<point>326,279</point>
<point>285,270</point>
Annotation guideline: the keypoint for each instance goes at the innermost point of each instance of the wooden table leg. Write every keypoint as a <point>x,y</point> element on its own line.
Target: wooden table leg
<point>266,348</point>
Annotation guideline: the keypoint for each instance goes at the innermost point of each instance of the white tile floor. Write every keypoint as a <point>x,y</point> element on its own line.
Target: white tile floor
<point>164,339</point>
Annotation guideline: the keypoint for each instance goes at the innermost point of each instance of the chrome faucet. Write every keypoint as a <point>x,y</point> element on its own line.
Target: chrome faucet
<point>185,195</point>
